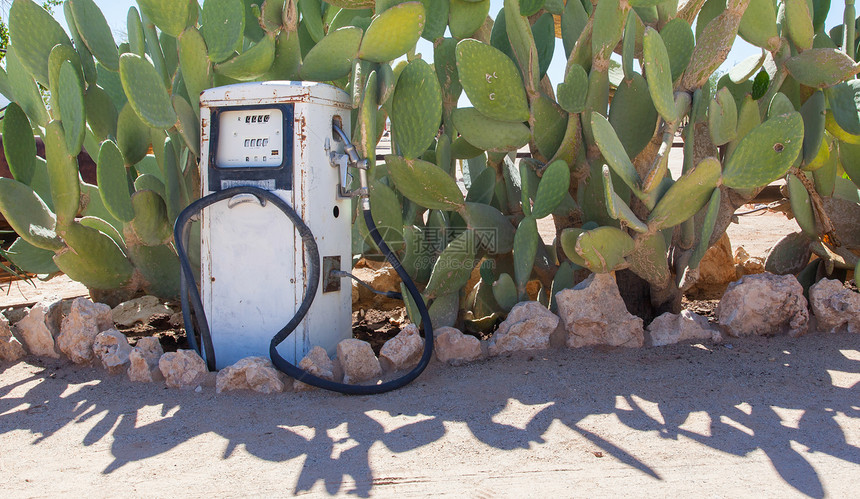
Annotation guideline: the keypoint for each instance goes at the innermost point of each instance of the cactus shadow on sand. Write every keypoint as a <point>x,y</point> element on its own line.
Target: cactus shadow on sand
<point>786,404</point>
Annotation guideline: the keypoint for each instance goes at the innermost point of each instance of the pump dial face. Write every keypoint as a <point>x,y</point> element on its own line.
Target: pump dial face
<point>250,138</point>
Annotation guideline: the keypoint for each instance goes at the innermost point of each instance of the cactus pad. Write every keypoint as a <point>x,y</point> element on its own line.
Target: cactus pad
<point>686,196</point>
<point>723,117</point>
<point>223,26</point>
<point>465,17</point>
<point>489,134</point>
<point>766,153</point>
<point>493,231</point>
<point>70,100</point>
<point>19,145</point>
<point>678,39</point>
<point>551,189</point>
<point>821,68</point>
<point>613,151</point>
<point>34,33</point>
<point>416,108</point>
<point>425,183</point>
<point>393,33</point>
<point>801,206</point>
<point>63,174</point>
<point>659,74</point>
<point>95,32</point>
<point>491,81</point>
<point>453,267</point>
<point>171,16</point>
<point>93,259</point>
<point>526,242</point>
<point>632,114</point>
<point>332,57</point>
<point>505,292</point>
<point>573,91</point>
<point>28,215</point>
<point>602,249</point>
<point>146,92</point>
<point>251,63</point>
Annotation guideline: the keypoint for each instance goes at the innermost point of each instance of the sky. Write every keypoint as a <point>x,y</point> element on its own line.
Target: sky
<point>115,12</point>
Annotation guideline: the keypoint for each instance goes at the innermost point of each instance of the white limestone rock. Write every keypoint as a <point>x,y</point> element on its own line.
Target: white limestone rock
<point>143,360</point>
<point>11,349</point>
<point>527,327</point>
<point>318,363</point>
<point>455,348</point>
<point>39,328</point>
<point>251,373</point>
<point>764,304</point>
<point>80,328</point>
<point>358,361</point>
<point>182,369</point>
<point>139,310</point>
<point>670,328</point>
<point>836,308</point>
<point>112,348</point>
<point>403,351</point>
<point>593,313</point>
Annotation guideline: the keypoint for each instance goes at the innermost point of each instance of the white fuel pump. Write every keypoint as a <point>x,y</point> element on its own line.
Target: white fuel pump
<point>275,229</point>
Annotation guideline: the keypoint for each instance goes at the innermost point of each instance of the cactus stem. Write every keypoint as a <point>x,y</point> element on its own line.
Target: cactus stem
<point>848,32</point>
<point>660,165</point>
<point>824,224</point>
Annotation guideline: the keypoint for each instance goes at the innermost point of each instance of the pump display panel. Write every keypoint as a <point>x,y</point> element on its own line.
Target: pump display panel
<point>251,145</point>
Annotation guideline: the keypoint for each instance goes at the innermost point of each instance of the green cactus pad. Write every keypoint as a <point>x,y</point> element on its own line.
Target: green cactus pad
<point>608,28</point>
<point>686,196</point>
<point>465,17</point>
<point>526,242</point>
<point>444,310</point>
<point>102,116</point>
<point>171,16</point>
<point>766,153</point>
<point>417,254</point>
<point>288,57</point>
<point>617,208</point>
<point>416,108</point>
<point>543,31</point>
<point>748,119</point>
<point>189,127</point>
<point>813,111</point>
<point>331,58</point>
<point>367,115</point>
<point>252,63</point>
<point>30,258</point>
<point>707,230</point>
<point>136,36</point>
<point>25,90</point>
<point>28,215</point>
<point>149,182</point>
<point>505,292</point>
<point>573,91</point>
<point>659,74</point>
<point>527,187</point>
<point>104,227</point>
<point>150,224</point>
<point>628,47</point>
<point>436,22</point>
<point>849,155</point>
<point>790,255</point>
<point>482,186</point>
<point>493,231</point>
<point>63,174</point>
<point>801,206</point>
<point>95,32</point>
<point>633,115</point>
<point>649,260</point>
<point>159,268</point>
<point>195,65</point>
<point>825,176</point>
<point>146,92</point>
<point>573,21</point>
<point>111,83</point>
<point>59,55</point>
<point>798,17</point>
<point>821,68</point>
<point>19,145</point>
<point>462,149</point>
<point>747,68</point>
<point>453,267</point>
<point>602,249</point>
<point>34,33</point>
<point>613,151</point>
<point>93,259</point>
<point>678,38</point>
<point>86,58</point>
<point>386,212</point>
<point>271,17</point>
<point>490,134</point>
<point>113,182</point>
<point>393,33</point>
<point>758,25</point>
<point>723,118</point>
<point>425,183</point>
<point>70,100</point>
<point>551,189</point>
<point>133,137</point>
<point>550,125</point>
<point>491,81</point>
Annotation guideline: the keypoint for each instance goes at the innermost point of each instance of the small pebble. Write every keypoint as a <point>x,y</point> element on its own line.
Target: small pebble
<point>729,346</point>
<point>199,389</point>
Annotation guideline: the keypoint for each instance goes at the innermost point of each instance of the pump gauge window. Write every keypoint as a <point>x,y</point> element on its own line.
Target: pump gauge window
<point>250,138</point>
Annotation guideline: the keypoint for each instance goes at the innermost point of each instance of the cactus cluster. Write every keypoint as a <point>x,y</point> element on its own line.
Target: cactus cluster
<point>637,74</point>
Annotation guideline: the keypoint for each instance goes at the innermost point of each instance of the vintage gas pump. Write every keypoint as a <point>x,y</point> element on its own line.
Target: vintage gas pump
<point>275,228</point>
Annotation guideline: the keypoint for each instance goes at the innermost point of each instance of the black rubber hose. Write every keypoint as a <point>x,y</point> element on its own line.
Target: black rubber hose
<point>189,292</point>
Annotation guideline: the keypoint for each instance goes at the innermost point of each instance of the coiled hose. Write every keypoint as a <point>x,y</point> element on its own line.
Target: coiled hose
<point>191,301</point>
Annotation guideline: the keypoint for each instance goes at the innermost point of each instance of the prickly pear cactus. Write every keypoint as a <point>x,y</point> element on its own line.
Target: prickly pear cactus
<point>453,198</point>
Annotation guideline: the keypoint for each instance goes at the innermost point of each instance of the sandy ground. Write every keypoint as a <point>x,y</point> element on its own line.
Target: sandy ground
<point>775,417</point>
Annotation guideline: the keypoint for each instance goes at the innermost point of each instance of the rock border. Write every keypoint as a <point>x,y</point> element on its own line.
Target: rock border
<point>590,314</point>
